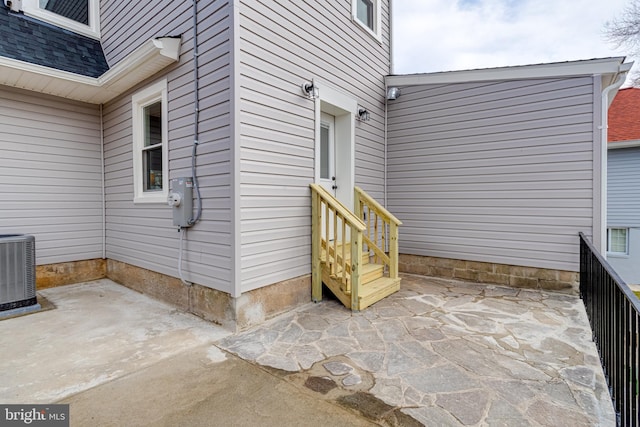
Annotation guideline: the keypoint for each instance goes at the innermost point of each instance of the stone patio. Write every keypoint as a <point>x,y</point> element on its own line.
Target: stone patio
<point>443,352</point>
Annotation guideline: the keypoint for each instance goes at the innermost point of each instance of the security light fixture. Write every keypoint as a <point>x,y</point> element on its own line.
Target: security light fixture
<point>393,93</point>
<point>310,89</point>
<point>363,114</point>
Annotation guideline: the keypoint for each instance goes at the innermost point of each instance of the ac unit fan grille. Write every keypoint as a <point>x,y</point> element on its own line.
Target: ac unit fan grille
<point>17,271</point>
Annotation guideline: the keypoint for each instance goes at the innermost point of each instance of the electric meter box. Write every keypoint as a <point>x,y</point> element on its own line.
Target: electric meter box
<point>181,200</point>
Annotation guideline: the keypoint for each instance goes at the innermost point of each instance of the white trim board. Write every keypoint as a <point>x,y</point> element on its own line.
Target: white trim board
<point>604,66</point>
<point>151,57</point>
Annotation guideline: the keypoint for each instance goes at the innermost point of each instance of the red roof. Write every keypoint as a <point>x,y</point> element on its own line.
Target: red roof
<point>624,116</point>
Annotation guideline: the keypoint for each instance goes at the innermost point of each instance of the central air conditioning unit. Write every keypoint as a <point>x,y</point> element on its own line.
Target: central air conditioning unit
<point>17,274</point>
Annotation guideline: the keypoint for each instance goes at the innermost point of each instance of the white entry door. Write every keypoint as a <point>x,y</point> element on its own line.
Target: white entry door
<point>328,153</point>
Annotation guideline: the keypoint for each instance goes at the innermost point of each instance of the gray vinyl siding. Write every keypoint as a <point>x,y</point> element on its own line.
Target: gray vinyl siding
<point>281,45</point>
<point>495,171</point>
<point>627,265</point>
<point>623,187</point>
<point>125,25</point>
<point>50,174</point>
<point>143,234</point>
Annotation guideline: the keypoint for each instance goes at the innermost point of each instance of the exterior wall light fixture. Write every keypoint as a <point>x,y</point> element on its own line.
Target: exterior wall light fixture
<point>310,89</point>
<point>393,93</point>
<point>363,114</point>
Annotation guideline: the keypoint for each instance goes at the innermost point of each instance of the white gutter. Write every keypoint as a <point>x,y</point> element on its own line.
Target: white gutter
<point>613,145</point>
<point>608,93</point>
<point>151,57</point>
<point>558,69</point>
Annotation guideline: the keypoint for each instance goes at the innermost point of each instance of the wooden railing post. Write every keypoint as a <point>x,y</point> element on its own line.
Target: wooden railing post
<point>357,204</point>
<point>316,273</point>
<point>356,260</point>
<point>393,250</point>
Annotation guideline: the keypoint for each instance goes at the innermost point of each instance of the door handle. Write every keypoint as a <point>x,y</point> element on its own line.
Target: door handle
<point>334,186</point>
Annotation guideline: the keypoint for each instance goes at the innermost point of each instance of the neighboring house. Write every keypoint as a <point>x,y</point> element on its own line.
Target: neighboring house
<point>623,192</point>
<point>493,172</point>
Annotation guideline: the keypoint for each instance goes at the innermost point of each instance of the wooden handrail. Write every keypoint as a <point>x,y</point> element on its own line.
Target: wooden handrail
<point>381,210</point>
<point>349,216</point>
<point>346,270</point>
<point>343,241</point>
<point>379,222</point>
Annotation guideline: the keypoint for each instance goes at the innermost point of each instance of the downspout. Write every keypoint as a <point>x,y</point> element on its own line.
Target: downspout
<point>104,198</point>
<point>386,109</point>
<point>386,101</point>
<point>606,92</point>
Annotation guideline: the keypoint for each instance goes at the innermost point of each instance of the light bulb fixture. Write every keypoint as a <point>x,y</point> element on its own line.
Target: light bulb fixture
<point>363,114</point>
<point>393,93</point>
<point>310,89</point>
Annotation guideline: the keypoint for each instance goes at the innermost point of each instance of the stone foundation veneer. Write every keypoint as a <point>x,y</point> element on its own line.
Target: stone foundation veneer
<point>66,273</point>
<point>235,314</point>
<point>485,272</point>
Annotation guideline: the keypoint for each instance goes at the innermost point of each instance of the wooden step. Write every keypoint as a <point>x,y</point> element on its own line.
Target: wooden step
<point>370,293</point>
<point>365,255</point>
<point>376,290</point>
<point>368,272</point>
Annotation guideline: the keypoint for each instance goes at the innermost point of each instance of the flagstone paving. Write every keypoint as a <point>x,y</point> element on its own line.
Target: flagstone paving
<point>443,352</point>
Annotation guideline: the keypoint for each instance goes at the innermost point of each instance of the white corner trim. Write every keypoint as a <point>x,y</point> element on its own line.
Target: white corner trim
<point>148,59</point>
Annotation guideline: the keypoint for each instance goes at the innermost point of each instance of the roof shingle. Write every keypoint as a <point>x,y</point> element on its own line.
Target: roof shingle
<point>30,40</point>
<point>624,116</point>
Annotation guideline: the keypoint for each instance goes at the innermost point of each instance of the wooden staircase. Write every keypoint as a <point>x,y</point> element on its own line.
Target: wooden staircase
<point>348,249</point>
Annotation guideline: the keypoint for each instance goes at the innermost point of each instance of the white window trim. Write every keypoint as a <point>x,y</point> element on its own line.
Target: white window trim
<point>609,251</point>
<point>32,8</point>
<point>376,33</point>
<point>155,92</point>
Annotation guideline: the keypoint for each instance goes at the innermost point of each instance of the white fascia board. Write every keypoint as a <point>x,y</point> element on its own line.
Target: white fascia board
<point>145,61</point>
<point>613,145</point>
<point>558,69</point>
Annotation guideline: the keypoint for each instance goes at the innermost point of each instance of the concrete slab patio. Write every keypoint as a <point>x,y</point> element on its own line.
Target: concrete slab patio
<point>122,359</point>
<point>438,352</point>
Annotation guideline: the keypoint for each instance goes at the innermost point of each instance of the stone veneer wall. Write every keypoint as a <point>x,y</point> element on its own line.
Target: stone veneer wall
<point>250,309</point>
<point>484,272</point>
<point>66,273</point>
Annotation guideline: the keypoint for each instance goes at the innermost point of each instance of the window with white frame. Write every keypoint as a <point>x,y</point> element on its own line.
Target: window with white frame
<point>367,14</point>
<point>617,241</point>
<point>150,144</point>
<point>80,16</point>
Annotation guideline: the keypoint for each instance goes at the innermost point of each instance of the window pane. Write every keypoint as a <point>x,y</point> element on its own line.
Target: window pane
<point>365,12</point>
<point>618,240</point>
<point>152,167</point>
<point>77,10</point>
<point>324,152</point>
<point>152,124</point>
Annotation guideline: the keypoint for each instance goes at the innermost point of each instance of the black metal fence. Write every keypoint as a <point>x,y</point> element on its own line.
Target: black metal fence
<point>613,310</point>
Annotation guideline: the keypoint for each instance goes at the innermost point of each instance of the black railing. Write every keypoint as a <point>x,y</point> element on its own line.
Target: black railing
<point>613,313</point>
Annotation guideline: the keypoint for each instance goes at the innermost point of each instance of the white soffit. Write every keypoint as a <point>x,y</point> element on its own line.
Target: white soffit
<point>605,66</point>
<point>145,61</point>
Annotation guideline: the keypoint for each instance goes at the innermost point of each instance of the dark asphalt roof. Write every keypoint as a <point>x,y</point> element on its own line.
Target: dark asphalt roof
<point>30,40</point>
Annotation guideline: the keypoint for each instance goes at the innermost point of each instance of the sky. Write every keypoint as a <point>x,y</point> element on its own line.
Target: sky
<point>446,35</point>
